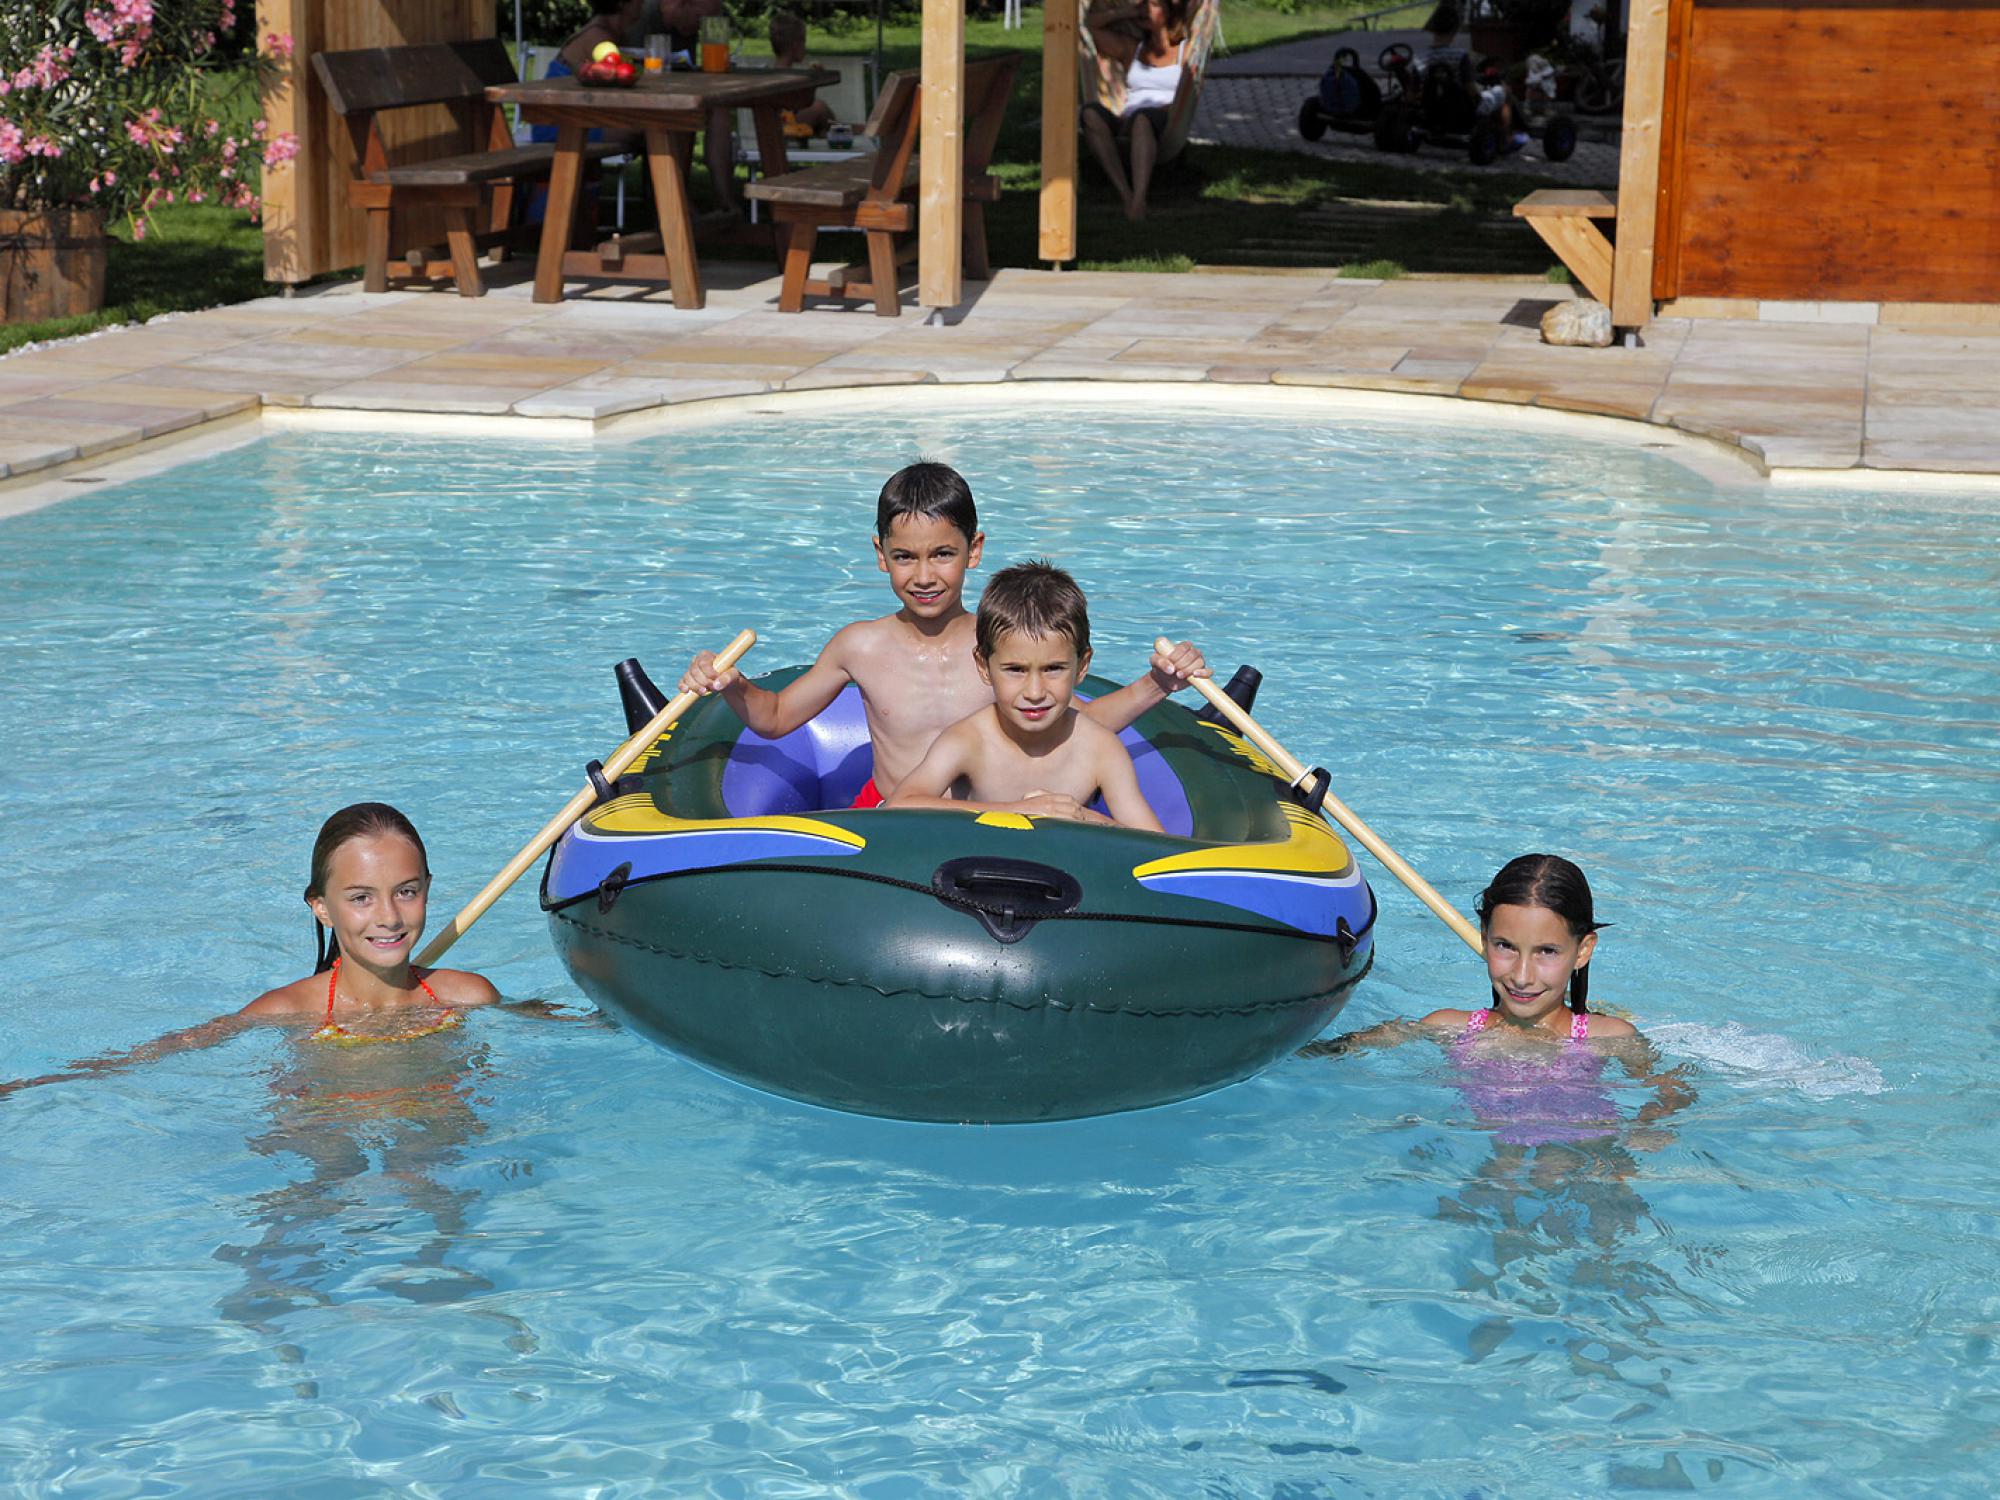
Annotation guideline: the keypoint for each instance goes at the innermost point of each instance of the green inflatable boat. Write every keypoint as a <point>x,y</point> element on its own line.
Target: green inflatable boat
<point>726,901</point>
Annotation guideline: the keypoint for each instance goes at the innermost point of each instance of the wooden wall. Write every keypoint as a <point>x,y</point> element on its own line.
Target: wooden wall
<point>1844,150</point>
<point>308,227</point>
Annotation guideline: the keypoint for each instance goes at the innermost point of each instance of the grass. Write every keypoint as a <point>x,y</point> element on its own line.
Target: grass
<point>1215,206</point>
<point>196,255</point>
<point>1228,206</point>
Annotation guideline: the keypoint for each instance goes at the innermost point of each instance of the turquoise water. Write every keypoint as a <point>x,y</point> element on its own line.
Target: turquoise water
<point>545,1255</point>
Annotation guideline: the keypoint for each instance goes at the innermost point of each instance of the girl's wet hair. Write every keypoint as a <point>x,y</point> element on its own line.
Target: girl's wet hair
<point>360,821</point>
<point>932,490</point>
<point>1553,883</point>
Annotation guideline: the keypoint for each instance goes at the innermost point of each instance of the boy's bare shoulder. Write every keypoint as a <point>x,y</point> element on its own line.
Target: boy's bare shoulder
<point>300,997</point>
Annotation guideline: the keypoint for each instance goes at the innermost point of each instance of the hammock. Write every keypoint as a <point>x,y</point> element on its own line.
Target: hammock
<point>1103,82</point>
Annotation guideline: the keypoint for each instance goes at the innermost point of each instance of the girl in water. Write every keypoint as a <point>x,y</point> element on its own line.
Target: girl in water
<point>1527,1060</point>
<point>1540,929</point>
<point>367,890</point>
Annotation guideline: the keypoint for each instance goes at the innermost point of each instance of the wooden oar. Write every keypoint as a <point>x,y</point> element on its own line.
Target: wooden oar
<point>1297,772</point>
<point>577,806</point>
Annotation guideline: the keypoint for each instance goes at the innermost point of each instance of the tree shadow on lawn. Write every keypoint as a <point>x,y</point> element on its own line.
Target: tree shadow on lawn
<point>1223,206</point>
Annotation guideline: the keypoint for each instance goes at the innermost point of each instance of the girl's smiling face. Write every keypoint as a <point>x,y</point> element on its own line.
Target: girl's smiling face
<point>374,898</point>
<point>1530,956</point>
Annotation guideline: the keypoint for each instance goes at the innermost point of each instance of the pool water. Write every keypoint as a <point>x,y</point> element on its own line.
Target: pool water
<point>541,1255</point>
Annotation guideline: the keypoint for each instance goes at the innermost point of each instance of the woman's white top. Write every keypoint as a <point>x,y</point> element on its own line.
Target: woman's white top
<point>1153,88</point>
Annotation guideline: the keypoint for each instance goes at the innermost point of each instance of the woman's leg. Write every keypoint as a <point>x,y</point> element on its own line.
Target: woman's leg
<point>1145,151</point>
<point>1104,146</point>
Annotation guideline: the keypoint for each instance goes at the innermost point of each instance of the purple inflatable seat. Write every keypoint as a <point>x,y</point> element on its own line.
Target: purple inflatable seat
<point>824,764</point>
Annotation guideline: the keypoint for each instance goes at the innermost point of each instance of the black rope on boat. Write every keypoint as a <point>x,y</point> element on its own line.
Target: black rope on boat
<point>1347,941</point>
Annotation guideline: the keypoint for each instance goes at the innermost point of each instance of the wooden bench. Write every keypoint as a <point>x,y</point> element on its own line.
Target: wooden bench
<point>1567,220</point>
<point>467,187</point>
<point>878,194</point>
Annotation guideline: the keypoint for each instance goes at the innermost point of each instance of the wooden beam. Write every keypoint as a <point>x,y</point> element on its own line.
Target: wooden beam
<point>1639,165</point>
<point>941,176</point>
<point>290,199</point>
<point>1059,128</point>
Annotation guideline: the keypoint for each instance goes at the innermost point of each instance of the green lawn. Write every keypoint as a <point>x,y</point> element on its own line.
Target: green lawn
<point>1215,206</point>
<point>194,256</point>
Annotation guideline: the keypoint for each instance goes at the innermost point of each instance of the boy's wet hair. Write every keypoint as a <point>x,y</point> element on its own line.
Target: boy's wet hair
<point>933,491</point>
<point>1553,883</point>
<point>1035,598</point>
<point>788,33</point>
<point>359,821</point>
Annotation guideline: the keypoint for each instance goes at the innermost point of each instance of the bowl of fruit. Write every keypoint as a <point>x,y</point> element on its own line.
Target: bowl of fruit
<point>608,68</point>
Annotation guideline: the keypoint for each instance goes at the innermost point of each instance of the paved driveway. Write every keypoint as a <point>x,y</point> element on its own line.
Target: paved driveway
<point>1252,99</point>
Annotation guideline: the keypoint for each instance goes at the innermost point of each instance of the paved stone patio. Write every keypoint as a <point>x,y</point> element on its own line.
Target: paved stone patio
<point>1809,396</point>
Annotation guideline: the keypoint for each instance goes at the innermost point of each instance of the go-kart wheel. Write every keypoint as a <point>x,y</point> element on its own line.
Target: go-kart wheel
<point>1312,120</point>
<point>1392,131</point>
<point>1559,139</point>
<point>1484,145</point>
<point>1396,56</point>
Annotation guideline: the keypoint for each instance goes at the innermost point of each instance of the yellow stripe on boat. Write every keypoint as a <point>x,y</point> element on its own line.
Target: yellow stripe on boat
<point>636,813</point>
<point>1311,848</point>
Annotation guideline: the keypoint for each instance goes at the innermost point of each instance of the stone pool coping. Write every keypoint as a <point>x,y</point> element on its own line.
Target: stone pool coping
<point>1874,405</point>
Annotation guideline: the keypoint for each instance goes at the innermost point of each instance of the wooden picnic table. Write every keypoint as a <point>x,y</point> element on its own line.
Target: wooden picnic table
<point>668,110</point>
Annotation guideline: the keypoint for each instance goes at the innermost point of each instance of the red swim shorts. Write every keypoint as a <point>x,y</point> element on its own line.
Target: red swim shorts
<point>868,796</point>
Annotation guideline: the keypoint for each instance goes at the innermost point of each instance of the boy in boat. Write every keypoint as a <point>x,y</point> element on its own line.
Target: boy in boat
<point>915,667</point>
<point>1030,750</point>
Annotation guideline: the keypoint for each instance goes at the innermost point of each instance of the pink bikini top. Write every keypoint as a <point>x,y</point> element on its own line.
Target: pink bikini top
<point>1579,1024</point>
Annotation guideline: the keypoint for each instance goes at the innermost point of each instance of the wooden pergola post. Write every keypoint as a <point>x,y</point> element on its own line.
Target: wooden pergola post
<point>941,182</point>
<point>1639,165</point>
<point>1058,240</point>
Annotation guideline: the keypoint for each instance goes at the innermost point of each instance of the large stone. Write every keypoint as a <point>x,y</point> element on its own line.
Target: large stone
<point>1585,323</point>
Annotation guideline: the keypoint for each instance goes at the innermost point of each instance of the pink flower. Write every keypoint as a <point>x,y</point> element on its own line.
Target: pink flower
<point>281,149</point>
<point>138,229</point>
<point>278,43</point>
<point>12,151</point>
<point>110,178</point>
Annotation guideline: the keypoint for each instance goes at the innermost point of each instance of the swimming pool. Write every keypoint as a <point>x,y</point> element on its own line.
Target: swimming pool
<point>551,1256</point>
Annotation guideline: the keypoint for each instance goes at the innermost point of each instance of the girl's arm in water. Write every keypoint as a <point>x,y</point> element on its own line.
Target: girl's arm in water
<point>1671,1090</point>
<point>1382,1034</point>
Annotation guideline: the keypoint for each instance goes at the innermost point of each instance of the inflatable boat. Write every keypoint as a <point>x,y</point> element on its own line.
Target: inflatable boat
<point>725,900</point>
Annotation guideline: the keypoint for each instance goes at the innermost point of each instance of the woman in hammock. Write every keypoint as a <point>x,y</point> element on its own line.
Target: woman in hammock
<point>1150,41</point>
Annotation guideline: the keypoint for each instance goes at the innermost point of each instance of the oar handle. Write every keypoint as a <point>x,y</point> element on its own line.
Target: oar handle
<point>614,767</point>
<point>1296,772</point>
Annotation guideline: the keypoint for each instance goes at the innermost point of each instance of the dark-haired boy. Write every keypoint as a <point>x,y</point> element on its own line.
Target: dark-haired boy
<point>915,667</point>
<point>1030,750</point>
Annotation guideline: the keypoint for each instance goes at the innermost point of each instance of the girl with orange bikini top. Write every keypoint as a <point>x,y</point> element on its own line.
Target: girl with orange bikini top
<point>368,891</point>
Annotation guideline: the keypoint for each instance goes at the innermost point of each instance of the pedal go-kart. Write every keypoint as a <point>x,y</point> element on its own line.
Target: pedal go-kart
<point>1348,98</point>
<point>1431,105</point>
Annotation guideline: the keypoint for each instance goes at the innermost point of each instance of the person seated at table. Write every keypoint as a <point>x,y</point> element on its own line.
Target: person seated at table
<point>681,21</point>
<point>1150,41</point>
<point>788,50</point>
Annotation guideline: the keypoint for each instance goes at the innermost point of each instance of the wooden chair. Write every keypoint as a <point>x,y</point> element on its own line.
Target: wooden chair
<point>878,194</point>
<point>466,188</point>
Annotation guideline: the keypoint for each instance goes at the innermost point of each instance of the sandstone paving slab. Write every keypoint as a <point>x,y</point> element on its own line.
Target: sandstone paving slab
<point>24,455</point>
<point>1368,380</point>
<point>1066,367</point>
<point>1932,456</point>
<point>74,438</point>
<point>147,390</point>
<point>65,413</point>
<point>822,379</point>
<point>614,398</point>
<point>320,363</point>
<point>411,396</point>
